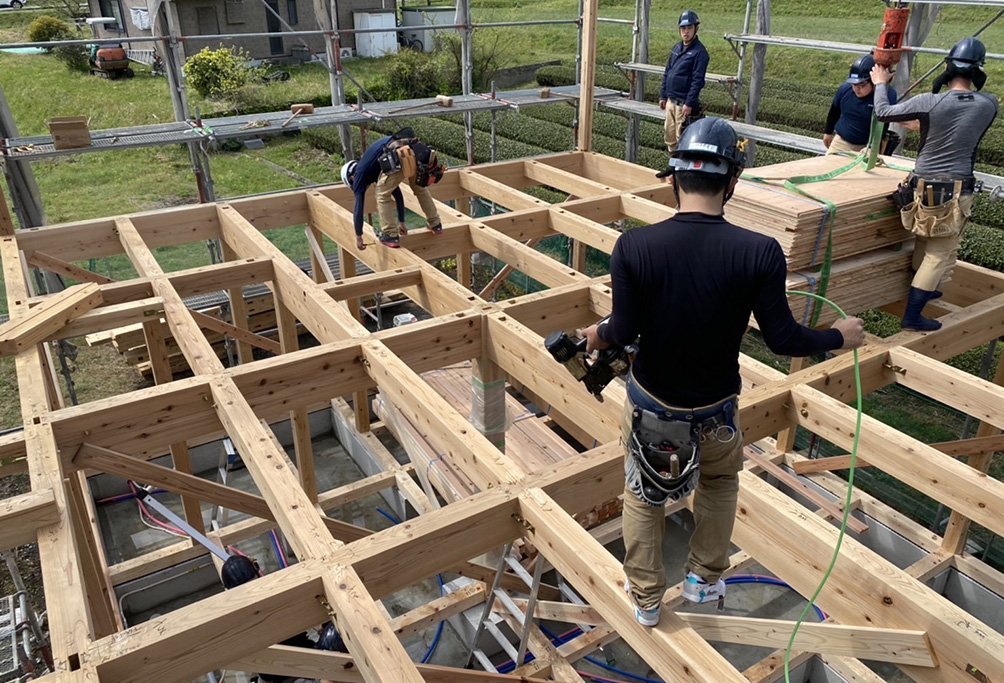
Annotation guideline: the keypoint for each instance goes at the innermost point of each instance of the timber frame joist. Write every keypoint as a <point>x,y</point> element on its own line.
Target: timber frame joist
<point>342,570</point>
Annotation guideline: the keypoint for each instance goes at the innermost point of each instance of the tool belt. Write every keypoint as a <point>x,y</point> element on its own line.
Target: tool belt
<point>931,207</point>
<point>397,156</point>
<point>665,448</point>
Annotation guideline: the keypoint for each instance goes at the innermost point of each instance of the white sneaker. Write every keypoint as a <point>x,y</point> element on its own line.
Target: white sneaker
<point>647,617</point>
<point>698,590</point>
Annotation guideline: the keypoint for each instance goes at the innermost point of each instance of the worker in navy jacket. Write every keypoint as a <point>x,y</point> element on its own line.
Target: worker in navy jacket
<point>683,80</point>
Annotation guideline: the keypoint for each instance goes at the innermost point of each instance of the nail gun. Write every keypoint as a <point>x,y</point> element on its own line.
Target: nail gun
<point>597,370</point>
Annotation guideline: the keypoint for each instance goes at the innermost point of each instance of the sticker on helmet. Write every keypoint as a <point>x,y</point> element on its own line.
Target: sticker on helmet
<point>702,146</point>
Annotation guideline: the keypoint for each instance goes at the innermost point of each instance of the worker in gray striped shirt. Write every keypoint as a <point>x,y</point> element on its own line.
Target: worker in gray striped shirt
<point>951,127</point>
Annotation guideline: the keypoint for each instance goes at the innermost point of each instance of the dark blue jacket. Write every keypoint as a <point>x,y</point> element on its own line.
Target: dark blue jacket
<point>684,77</point>
<point>850,116</point>
<point>367,172</point>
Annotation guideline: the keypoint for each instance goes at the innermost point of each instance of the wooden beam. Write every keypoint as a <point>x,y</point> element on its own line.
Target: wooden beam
<point>494,191</point>
<point>23,515</point>
<point>957,530</point>
<point>48,318</point>
<point>489,290</point>
<point>583,230</point>
<point>318,263</point>
<point>447,429</point>
<point>239,308</point>
<point>234,332</point>
<point>226,625</point>
<point>308,303</point>
<point>127,467</point>
<point>353,287</point>
<point>792,481</point>
<point>439,294</point>
<point>535,264</point>
<point>298,662</point>
<point>370,639</point>
<point>559,179</point>
<point>672,649</point>
<point>270,468</point>
<point>6,223</point>
<point>62,578</point>
<point>60,267</point>
<point>899,646</point>
<point>912,462</point>
<point>863,587</point>
<point>104,615</point>
<point>967,393</point>
<point>113,316</point>
<point>439,610</point>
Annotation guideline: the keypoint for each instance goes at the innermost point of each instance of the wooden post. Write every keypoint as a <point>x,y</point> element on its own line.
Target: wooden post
<point>238,310</point>
<point>587,77</point>
<point>156,347</point>
<point>298,417</point>
<point>786,438</point>
<point>6,223</point>
<point>105,618</point>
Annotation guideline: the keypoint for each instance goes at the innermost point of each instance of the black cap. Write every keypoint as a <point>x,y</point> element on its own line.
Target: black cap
<point>861,70</point>
<point>237,570</point>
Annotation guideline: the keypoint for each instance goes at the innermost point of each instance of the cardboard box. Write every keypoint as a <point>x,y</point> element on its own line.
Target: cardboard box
<point>69,132</point>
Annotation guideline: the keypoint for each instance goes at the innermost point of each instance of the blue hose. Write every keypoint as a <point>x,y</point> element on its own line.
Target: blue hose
<point>388,515</point>
<point>278,552</point>
<point>770,580</point>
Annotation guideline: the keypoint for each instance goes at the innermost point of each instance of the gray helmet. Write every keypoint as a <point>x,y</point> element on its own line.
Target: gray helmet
<point>709,145</point>
<point>861,70</point>
<point>689,18</point>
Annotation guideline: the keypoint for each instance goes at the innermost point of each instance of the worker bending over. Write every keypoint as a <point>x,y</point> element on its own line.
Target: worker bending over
<point>849,123</point>
<point>937,198</point>
<point>687,286</point>
<point>388,162</point>
<point>683,79</point>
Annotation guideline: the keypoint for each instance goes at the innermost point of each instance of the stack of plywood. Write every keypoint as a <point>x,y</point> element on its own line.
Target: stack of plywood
<point>866,218</point>
<point>871,250</point>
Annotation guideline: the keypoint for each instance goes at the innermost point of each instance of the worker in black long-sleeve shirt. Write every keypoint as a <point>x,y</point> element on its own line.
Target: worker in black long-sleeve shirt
<point>687,287</point>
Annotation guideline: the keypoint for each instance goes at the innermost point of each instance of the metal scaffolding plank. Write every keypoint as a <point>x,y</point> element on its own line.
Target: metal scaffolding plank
<point>854,48</point>
<point>235,127</point>
<point>659,70</point>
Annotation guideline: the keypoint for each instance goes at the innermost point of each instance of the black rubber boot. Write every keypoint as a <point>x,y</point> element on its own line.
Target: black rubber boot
<point>912,319</point>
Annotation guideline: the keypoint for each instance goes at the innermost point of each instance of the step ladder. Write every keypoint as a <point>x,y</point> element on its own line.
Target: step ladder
<point>518,655</point>
<point>228,458</point>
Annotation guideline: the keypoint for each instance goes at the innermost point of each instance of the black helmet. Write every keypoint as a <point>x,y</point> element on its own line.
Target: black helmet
<point>709,145</point>
<point>237,570</point>
<point>967,54</point>
<point>330,639</point>
<point>861,70</point>
<point>689,18</point>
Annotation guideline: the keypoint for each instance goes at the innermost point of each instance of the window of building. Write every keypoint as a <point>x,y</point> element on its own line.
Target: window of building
<point>235,11</point>
<point>111,8</point>
<point>209,22</point>
<point>294,18</point>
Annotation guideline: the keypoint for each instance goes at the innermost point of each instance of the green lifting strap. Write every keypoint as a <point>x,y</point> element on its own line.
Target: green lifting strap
<point>792,184</point>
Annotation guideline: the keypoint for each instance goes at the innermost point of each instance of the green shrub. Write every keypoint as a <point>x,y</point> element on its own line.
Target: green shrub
<point>983,246</point>
<point>413,75</point>
<point>47,28</point>
<point>219,73</point>
<point>75,57</point>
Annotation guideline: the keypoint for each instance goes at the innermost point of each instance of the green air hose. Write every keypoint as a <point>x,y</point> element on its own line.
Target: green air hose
<point>847,501</point>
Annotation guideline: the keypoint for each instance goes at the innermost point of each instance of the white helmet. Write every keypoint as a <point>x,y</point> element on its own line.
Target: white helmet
<point>348,170</point>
